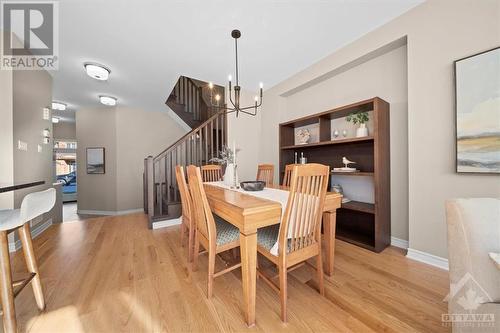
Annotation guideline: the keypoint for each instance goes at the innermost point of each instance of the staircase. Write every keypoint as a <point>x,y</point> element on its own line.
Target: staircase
<point>203,142</point>
<point>190,100</point>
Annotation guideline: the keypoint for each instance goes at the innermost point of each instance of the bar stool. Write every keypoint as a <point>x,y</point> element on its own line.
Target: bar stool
<point>33,205</point>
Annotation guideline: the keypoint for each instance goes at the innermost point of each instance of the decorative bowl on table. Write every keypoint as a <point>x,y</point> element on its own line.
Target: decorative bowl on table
<point>253,185</point>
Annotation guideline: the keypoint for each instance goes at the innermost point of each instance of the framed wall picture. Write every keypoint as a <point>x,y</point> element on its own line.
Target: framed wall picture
<point>477,93</point>
<point>96,161</point>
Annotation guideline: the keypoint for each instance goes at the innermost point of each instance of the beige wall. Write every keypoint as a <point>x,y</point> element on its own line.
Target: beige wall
<point>139,134</point>
<point>23,95</point>
<point>359,83</point>
<point>32,91</point>
<point>96,127</point>
<point>65,130</point>
<point>438,32</point>
<point>6,138</point>
<point>245,131</point>
<point>129,136</point>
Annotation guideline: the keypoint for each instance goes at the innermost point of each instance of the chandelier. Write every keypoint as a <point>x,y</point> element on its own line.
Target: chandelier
<point>235,101</point>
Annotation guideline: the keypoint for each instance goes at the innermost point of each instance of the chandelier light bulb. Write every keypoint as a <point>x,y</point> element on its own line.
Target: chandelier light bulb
<point>261,85</point>
<point>256,98</point>
<point>210,85</point>
<point>217,97</point>
<point>230,78</point>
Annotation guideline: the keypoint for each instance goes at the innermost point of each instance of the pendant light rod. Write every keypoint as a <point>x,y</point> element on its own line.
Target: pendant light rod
<point>237,89</point>
<point>236,48</point>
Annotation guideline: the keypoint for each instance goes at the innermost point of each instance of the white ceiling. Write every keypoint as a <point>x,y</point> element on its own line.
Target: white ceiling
<point>148,44</point>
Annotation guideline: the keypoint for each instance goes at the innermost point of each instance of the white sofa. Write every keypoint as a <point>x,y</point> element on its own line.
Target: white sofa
<point>474,232</point>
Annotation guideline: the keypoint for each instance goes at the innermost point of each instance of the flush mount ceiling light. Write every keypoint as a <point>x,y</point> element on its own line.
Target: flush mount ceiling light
<point>96,71</point>
<point>107,100</point>
<point>58,106</point>
<point>55,120</point>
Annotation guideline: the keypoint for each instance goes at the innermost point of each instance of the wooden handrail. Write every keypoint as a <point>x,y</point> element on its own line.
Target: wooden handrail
<point>176,143</point>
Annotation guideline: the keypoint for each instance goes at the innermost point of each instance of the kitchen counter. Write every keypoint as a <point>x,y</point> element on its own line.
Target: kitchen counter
<point>18,186</point>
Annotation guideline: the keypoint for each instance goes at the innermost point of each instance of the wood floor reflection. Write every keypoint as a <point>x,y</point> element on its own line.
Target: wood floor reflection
<point>112,274</point>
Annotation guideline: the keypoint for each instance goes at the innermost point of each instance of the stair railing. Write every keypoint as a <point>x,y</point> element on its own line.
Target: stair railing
<point>190,95</point>
<point>161,195</point>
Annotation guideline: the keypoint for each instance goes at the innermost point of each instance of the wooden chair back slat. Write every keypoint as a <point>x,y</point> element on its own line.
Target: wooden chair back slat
<point>186,200</point>
<point>211,173</point>
<point>288,174</point>
<point>265,173</point>
<point>202,213</point>
<point>301,224</point>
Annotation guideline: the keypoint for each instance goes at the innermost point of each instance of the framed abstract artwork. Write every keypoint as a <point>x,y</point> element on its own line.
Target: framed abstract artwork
<point>477,107</point>
<point>96,161</point>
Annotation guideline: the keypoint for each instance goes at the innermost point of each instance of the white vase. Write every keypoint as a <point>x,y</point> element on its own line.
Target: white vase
<point>229,175</point>
<point>362,131</point>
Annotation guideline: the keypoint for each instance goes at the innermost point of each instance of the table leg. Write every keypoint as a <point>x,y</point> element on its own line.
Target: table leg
<point>248,248</point>
<point>329,224</point>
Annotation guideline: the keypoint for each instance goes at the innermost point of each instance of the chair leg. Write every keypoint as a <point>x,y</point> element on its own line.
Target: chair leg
<point>29,257</point>
<point>191,237</point>
<point>319,271</point>
<point>235,252</point>
<point>211,270</point>
<point>283,289</point>
<point>196,252</point>
<point>183,233</point>
<point>7,292</point>
<point>257,266</point>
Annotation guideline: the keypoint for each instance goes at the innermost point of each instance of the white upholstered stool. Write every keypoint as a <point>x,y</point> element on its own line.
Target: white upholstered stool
<point>33,205</point>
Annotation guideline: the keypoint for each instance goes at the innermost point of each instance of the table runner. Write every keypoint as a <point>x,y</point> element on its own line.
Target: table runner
<point>273,194</point>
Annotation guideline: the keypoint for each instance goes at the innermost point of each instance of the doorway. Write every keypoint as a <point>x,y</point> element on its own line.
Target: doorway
<point>65,164</point>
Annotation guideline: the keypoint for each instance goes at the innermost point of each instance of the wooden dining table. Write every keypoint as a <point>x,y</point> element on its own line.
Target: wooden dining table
<point>248,213</point>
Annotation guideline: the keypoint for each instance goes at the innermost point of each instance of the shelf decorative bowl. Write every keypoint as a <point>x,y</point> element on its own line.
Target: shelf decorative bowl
<point>253,186</point>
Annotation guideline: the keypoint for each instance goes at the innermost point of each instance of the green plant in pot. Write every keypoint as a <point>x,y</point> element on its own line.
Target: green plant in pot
<point>360,118</point>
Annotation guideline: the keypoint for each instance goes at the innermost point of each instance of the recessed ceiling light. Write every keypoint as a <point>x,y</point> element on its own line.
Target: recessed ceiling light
<point>96,71</point>
<point>55,120</point>
<point>58,106</point>
<point>107,100</point>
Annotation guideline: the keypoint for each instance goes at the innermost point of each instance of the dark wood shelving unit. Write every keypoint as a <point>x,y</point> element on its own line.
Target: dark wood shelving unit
<point>352,173</point>
<point>359,206</point>
<point>331,142</point>
<point>360,223</point>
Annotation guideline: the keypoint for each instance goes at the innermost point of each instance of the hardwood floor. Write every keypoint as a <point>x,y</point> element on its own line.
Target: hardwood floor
<point>113,274</point>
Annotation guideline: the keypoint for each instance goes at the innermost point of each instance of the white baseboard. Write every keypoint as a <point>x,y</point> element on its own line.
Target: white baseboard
<point>36,231</point>
<point>109,212</point>
<point>398,242</point>
<point>166,223</point>
<point>428,258</point>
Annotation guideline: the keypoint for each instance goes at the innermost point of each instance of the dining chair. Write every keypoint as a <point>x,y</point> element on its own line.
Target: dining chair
<point>265,173</point>
<point>298,237</point>
<point>33,205</point>
<point>214,233</point>
<point>211,173</point>
<point>288,174</point>
<point>187,225</point>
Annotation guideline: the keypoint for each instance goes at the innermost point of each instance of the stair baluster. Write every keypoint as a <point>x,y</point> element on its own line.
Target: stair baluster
<point>161,197</point>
